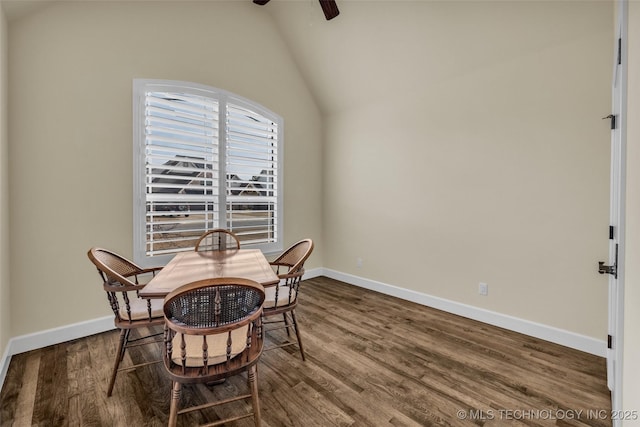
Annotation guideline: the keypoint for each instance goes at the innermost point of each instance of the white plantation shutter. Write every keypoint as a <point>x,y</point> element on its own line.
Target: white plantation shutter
<point>181,170</point>
<point>252,179</point>
<point>203,159</point>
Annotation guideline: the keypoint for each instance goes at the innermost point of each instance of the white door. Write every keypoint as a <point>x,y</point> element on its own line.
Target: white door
<point>615,266</point>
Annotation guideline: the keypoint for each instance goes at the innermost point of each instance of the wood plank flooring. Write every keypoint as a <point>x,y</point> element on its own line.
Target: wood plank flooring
<point>372,360</point>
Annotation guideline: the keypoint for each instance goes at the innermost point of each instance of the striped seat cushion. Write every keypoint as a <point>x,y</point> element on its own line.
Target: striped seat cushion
<point>138,307</point>
<point>283,296</point>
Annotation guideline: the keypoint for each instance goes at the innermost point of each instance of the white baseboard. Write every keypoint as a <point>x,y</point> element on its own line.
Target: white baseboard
<point>315,272</point>
<point>526,327</point>
<point>4,365</point>
<point>569,339</point>
<point>53,336</point>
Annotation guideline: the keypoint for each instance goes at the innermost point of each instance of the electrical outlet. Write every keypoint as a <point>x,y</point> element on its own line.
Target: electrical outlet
<point>483,289</point>
<point>359,262</point>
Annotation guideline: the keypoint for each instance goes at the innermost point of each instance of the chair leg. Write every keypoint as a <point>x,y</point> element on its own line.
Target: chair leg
<point>253,385</point>
<point>124,334</point>
<point>295,326</point>
<point>126,342</point>
<point>175,399</point>
<point>286,323</point>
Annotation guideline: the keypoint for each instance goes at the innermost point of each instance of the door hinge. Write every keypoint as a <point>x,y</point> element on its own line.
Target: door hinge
<point>609,342</point>
<point>619,51</point>
<point>611,232</point>
<point>612,117</point>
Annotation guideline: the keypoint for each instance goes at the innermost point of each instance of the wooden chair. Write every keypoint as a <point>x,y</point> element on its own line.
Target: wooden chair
<point>122,279</point>
<point>282,299</point>
<point>217,240</point>
<point>213,330</point>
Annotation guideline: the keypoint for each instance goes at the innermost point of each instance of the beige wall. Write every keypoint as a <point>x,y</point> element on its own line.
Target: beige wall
<point>494,172</point>
<point>5,312</point>
<point>71,67</point>
<point>631,342</point>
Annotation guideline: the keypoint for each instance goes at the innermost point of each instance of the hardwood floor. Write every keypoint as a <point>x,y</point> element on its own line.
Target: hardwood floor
<point>372,360</point>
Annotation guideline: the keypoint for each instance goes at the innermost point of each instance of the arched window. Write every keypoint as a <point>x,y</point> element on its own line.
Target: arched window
<point>204,158</point>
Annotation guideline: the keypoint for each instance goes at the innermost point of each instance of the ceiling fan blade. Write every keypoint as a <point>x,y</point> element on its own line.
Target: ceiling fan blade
<point>329,7</point>
<point>261,2</point>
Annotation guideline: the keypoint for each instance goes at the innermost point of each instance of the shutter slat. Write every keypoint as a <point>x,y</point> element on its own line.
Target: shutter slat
<point>172,98</point>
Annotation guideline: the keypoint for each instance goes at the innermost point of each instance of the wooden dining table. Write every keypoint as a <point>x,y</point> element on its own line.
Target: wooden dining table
<point>187,267</point>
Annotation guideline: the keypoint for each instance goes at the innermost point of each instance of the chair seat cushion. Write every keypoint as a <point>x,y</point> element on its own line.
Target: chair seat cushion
<point>283,296</point>
<point>138,307</point>
<point>216,347</point>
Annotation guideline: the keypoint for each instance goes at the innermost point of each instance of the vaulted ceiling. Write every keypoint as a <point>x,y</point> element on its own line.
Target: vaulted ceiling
<point>377,49</point>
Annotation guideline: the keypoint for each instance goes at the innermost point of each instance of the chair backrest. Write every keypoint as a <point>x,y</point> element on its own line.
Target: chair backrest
<point>122,280</point>
<point>113,268</point>
<point>217,240</point>
<point>293,259</point>
<point>213,327</point>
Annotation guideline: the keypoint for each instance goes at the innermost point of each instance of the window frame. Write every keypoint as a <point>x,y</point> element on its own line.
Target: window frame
<point>140,88</point>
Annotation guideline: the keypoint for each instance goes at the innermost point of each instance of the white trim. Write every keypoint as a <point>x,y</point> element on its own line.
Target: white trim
<point>523,326</point>
<point>316,272</point>
<point>224,100</point>
<point>618,211</point>
<point>4,364</point>
<point>52,336</point>
<point>60,334</point>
